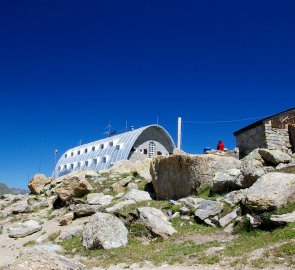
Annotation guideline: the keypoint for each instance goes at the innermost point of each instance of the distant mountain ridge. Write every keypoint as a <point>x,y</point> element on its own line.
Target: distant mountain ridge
<point>6,190</point>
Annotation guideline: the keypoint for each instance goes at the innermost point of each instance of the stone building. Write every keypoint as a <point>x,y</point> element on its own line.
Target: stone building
<point>138,144</point>
<point>274,132</point>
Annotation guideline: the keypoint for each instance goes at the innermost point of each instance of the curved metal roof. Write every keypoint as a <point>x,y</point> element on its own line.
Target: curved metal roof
<point>102,154</point>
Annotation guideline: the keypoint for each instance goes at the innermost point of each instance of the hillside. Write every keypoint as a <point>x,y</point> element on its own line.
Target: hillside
<point>6,190</point>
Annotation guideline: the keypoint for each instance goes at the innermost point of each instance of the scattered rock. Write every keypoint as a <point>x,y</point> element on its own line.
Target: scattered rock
<point>208,209</point>
<point>137,196</point>
<point>235,197</point>
<point>70,233</point>
<point>24,229</point>
<point>251,169</point>
<point>66,219</point>
<point>132,186</point>
<point>104,231</point>
<point>270,192</point>
<point>43,258</point>
<point>119,205</point>
<point>84,210</point>
<point>175,177</point>
<point>1,228</point>
<point>274,157</point>
<point>73,185</point>
<point>20,208</point>
<point>99,199</point>
<point>227,219</point>
<point>122,183</point>
<point>283,219</point>
<point>254,221</point>
<point>37,183</point>
<point>156,221</point>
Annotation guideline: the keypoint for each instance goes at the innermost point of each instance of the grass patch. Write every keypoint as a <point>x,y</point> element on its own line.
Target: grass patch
<point>287,209</point>
<point>209,259</point>
<point>205,192</point>
<point>30,244</point>
<point>53,236</point>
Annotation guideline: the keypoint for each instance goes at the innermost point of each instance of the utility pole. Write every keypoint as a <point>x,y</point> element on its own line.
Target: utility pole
<point>179,133</point>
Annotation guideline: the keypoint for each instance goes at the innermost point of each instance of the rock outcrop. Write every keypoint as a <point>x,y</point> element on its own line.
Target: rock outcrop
<point>24,229</point>
<point>274,157</point>
<point>179,176</point>
<point>104,231</point>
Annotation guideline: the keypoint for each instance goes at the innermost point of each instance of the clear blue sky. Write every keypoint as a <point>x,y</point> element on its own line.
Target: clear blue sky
<point>68,67</point>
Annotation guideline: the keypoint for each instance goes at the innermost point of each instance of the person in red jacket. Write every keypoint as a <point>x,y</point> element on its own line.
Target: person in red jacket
<point>220,146</point>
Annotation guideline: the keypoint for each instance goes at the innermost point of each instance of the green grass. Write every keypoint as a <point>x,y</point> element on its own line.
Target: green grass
<point>53,236</point>
<point>287,209</point>
<point>30,244</point>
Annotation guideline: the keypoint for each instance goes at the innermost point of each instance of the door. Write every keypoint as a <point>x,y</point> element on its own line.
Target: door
<point>292,137</point>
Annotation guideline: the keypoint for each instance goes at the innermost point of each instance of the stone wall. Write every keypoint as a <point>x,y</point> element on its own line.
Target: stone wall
<point>277,139</point>
<point>251,139</point>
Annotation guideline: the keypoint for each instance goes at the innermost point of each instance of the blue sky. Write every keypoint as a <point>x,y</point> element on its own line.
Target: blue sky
<point>68,67</point>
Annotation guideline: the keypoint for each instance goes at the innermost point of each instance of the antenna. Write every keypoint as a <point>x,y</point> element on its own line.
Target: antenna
<point>157,120</point>
<point>126,126</point>
<point>109,131</point>
<point>179,133</point>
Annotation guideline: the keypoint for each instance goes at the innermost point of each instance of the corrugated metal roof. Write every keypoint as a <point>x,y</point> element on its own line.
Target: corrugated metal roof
<point>102,154</point>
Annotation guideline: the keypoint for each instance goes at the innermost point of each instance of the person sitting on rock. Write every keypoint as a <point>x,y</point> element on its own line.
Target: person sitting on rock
<point>220,145</point>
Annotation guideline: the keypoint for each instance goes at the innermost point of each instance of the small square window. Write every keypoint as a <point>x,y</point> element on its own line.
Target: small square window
<point>86,163</point>
<point>79,152</point>
<point>59,168</point>
<point>95,161</point>
<point>85,150</point>
<point>66,155</point>
<point>118,147</point>
<point>101,146</point>
<point>65,167</point>
<point>72,166</point>
<point>145,151</point>
<point>93,148</point>
<point>104,160</point>
<point>79,164</point>
<point>111,143</point>
<point>72,154</point>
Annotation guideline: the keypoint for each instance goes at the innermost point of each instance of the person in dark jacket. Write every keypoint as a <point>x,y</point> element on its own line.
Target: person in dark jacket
<point>220,146</point>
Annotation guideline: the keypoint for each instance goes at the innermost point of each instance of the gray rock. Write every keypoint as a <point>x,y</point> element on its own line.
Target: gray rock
<point>70,233</point>
<point>44,257</point>
<point>123,182</point>
<point>270,192</point>
<point>131,186</point>
<point>224,221</point>
<point>274,157</point>
<point>83,210</point>
<point>254,221</point>
<point>1,228</point>
<point>24,229</point>
<point>137,195</point>
<point>179,176</point>
<point>192,201</point>
<point>66,219</point>
<point>20,208</point>
<point>106,231</point>
<point>99,199</point>
<point>254,155</point>
<point>227,181</point>
<point>156,221</point>
<point>184,210</point>
<point>208,209</point>
<point>119,206</point>
<point>251,169</point>
<point>286,218</point>
<point>235,197</point>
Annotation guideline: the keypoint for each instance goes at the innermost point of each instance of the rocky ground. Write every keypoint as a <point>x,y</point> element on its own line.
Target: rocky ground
<point>179,212</point>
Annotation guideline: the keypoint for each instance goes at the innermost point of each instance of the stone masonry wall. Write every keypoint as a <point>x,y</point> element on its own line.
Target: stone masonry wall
<point>251,139</point>
<point>277,138</point>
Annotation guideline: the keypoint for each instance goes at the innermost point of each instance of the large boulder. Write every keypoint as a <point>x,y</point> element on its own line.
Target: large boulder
<point>142,168</point>
<point>104,231</point>
<point>274,157</point>
<point>84,210</point>
<point>271,191</point>
<point>99,199</point>
<point>285,218</point>
<point>252,169</point>
<point>73,185</point>
<point>179,176</point>
<point>137,195</point>
<point>227,181</point>
<point>156,221</point>
<point>37,183</point>
<point>208,209</point>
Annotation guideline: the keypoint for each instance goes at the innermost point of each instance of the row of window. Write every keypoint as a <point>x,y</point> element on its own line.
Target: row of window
<point>80,164</point>
<point>102,146</point>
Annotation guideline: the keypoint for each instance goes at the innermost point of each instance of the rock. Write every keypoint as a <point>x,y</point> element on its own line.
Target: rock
<point>184,210</point>
<point>142,168</point>
<point>270,192</point>
<point>282,219</point>
<point>83,210</point>
<point>37,183</point>
<point>122,167</point>
<point>1,228</point>
<point>254,155</point>
<point>208,209</point>
<point>156,221</point>
<point>32,200</point>
<point>192,201</point>
<point>73,185</point>
<point>104,231</point>
<point>24,229</point>
<point>251,169</point>
<point>254,221</point>
<point>178,152</point>
<point>175,177</point>
<point>275,157</point>
<point>227,219</point>
<point>227,181</point>
<point>120,205</point>
<point>99,199</point>
<point>132,186</point>
<point>235,197</point>
<point>293,158</point>
<point>43,258</point>
<point>118,186</point>
<point>66,219</point>
<point>70,233</point>
<point>20,208</point>
<point>137,195</point>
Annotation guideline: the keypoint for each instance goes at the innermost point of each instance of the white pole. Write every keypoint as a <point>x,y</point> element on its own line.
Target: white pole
<point>179,133</point>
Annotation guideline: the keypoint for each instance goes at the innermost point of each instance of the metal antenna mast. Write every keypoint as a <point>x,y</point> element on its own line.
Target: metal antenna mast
<point>179,133</point>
